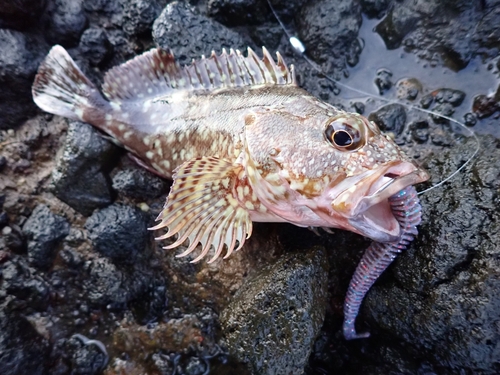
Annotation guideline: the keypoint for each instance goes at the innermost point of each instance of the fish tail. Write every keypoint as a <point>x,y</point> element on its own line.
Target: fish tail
<point>61,88</point>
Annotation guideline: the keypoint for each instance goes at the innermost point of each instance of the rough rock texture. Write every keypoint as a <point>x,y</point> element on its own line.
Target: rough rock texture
<point>24,285</point>
<point>433,312</point>
<point>44,230</point>
<point>447,289</point>
<point>139,15</point>
<point>95,45</point>
<point>390,118</point>
<point>21,54</point>
<point>20,14</point>
<point>190,34</point>
<point>80,178</point>
<point>22,349</point>
<point>273,320</point>
<point>338,40</point>
<point>65,22</point>
<point>118,232</point>
<point>136,182</point>
<point>452,32</point>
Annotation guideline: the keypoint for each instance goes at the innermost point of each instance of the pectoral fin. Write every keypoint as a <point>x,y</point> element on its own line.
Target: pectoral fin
<point>202,207</point>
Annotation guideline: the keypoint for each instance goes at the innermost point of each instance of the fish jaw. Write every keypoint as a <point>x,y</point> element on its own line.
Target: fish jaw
<point>360,203</point>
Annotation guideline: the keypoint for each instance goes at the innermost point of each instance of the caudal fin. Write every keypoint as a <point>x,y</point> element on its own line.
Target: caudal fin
<point>61,88</point>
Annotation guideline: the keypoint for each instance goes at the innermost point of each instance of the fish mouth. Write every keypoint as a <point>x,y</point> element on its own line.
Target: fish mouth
<point>366,204</point>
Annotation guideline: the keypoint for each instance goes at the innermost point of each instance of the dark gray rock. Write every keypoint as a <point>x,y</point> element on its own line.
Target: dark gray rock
<point>20,14</point>
<point>329,31</point>
<point>444,109</point>
<point>22,349</point>
<point>449,31</point>
<point>86,359</point>
<point>396,25</point>
<point>444,299</point>
<point>106,284</point>
<point>374,8</point>
<point>118,232</point>
<point>451,96</point>
<point>106,7</point>
<point>485,106</point>
<point>274,318</point>
<point>80,179</point>
<point>19,61</point>
<point>191,35</point>
<point>236,12</point>
<point>420,131</point>
<point>95,46</point>
<point>22,282</point>
<point>140,287</point>
<point>138,15</point>
<point>288,8</point>
<point>14,238</point>
<point>44,231</point>
<point>390,118</point>
<point>383,81</point>
<point>65,21</point>
<point>139,183</point>
<point>4,219</point>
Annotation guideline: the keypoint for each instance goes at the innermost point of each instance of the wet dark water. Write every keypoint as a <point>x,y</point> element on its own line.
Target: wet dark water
<point>476,79</point>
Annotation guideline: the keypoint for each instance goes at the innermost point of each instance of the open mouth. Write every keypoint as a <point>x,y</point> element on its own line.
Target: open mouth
<point>369,210</point>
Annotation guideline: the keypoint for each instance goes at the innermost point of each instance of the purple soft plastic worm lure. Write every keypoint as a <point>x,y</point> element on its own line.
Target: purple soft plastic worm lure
<point>406,208</point>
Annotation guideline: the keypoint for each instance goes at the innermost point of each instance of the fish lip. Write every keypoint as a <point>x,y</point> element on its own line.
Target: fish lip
<point>384,187</point>
<point>369,211</point>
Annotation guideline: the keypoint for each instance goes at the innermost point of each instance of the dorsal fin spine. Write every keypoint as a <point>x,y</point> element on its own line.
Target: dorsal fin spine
<point>253,67</point>
<point>240,60</point>
<point>156,73</point>
<point>201,69</point>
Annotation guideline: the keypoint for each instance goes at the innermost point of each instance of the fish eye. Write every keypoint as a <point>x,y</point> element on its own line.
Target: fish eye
<point>344,133</point>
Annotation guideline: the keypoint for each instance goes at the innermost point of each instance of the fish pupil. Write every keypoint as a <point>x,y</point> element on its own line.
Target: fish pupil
<point>342,138</point>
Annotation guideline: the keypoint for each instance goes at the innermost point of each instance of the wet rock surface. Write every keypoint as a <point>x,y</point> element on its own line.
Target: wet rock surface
<point>135,182</point>
<point>189,34</point>
<point>80,177</point>
<point>22,349</point>
<point>434,311</point>
<point>118,232</point>
<point>44,231</point>
<point>274,319</point>
<point>451,32</point>
<point>18,64</point>
<point>445,287</point>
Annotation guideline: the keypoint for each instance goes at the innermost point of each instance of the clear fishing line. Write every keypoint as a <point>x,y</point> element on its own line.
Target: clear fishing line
<point>300,49</point>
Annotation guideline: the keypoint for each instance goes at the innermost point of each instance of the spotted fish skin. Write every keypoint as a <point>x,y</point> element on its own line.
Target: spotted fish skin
<point>242,143</point>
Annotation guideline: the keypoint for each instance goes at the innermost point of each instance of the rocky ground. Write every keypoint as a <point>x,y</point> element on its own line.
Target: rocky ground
<point>84,289</point>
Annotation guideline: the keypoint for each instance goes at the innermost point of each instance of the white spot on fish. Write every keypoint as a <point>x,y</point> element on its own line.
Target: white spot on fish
<point>79,113</point>
<point>149,155</point>
<point>249,205</point>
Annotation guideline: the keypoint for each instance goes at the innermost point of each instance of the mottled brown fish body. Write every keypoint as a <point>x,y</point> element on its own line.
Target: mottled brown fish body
<point>201,124</point>
<point>242,143</point>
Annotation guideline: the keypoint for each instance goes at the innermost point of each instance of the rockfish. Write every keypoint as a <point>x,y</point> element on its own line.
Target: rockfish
<point>242,143</point>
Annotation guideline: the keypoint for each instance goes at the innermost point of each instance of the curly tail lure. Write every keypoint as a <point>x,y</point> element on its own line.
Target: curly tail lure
<point>406,208</point>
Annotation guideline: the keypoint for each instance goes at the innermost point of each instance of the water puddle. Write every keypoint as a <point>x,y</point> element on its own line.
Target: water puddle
<point>475,79</point>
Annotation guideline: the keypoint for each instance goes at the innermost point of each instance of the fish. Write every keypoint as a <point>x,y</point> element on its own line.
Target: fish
<point>243,143</point>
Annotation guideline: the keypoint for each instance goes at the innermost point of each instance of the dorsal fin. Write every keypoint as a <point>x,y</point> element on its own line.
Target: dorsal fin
<point>156,73</point>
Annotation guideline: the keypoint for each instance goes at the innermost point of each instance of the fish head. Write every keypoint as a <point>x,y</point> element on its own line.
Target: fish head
<point>329,168</point>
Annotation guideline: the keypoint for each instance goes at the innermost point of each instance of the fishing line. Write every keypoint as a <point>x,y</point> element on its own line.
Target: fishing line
<point>300,49</point>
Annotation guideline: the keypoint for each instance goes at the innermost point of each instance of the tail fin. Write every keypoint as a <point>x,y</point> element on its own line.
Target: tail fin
<point>61,88</point>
